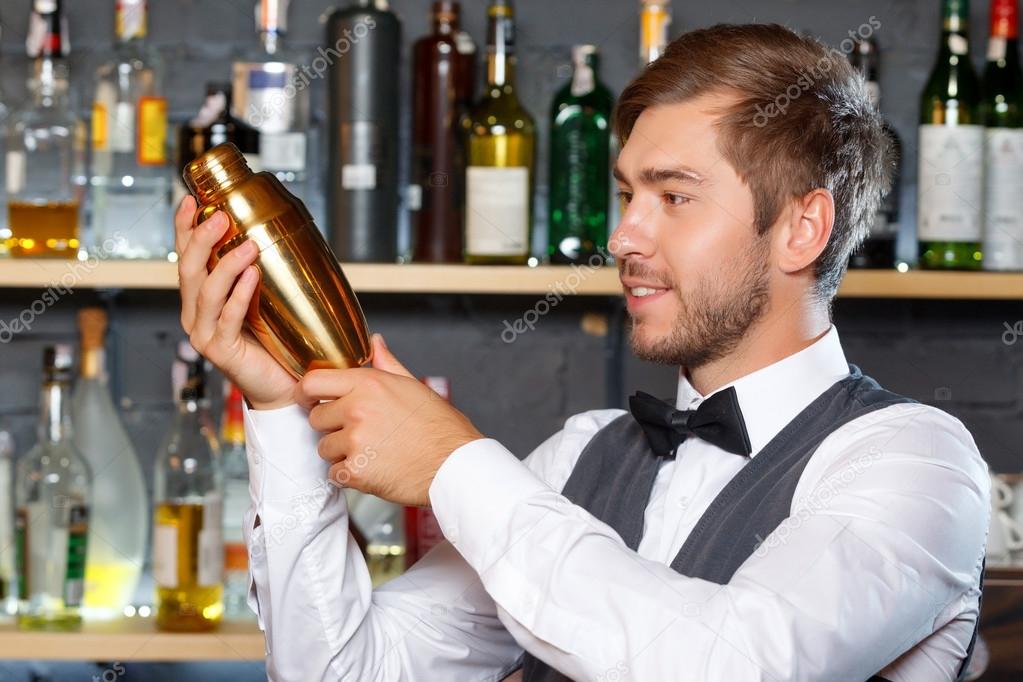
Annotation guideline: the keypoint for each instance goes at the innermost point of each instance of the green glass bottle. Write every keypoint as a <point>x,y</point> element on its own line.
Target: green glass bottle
<point>500,145</point>
<point>579,164</point>
<point>951,156</point>
<point>1003,154</point>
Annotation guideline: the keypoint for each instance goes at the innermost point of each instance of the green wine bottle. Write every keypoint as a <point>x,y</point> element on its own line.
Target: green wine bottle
<point>1003,155</point>
<point>500,145</point>
<point>951,157</point>
<point>579,164</point>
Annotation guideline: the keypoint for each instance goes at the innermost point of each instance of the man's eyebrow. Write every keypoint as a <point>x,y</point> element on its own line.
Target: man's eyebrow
<point>653,176</point>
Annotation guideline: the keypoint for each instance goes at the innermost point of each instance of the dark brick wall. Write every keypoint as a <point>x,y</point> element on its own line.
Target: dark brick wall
<point>947,353</point>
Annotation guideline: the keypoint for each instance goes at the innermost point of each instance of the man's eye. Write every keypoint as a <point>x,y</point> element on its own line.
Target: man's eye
<point>675,199</point>
<point>624,197</point>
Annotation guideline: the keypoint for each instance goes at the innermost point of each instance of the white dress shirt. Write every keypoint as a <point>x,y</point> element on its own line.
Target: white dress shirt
<point>876,568</point>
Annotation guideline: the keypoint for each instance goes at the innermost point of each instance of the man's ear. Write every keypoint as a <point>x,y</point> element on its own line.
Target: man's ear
<point>805,230</point>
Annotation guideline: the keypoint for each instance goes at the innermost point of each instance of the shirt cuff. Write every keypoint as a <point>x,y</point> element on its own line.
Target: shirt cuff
<point>282,453</point>
<point>475,491</point>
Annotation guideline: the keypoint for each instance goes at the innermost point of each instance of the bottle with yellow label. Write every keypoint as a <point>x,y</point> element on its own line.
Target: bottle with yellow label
<point>654,22</point>
<point>130,177</point>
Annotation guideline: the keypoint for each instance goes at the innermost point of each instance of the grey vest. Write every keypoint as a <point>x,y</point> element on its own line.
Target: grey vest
<point>615,473</point>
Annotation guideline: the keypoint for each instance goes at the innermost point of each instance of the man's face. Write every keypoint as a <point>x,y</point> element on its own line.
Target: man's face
<point>694,271</point>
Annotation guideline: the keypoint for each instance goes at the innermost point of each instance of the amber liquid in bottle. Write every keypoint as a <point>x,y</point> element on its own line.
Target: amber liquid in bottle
<point>190,606</point>
<point>43,230</point>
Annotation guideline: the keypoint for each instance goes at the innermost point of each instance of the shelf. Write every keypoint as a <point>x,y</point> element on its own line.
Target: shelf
<point>133,639</point>
<point>510,280</point>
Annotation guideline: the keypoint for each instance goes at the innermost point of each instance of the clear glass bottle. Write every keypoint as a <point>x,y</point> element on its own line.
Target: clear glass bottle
<point>52,501</point>
<point>188,544</point>
<point>120,509</point>
<point>236,503</point>
<point>130,175</point>
<point>44,156</point>
<point>269,94</point>
<point>501,147</point>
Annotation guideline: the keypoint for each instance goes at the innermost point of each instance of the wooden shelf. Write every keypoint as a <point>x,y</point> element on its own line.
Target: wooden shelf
<point>504,280</point>
<point>133,639</point>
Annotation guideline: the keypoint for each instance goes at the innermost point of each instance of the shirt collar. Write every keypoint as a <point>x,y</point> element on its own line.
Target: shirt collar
<point>772,396</point>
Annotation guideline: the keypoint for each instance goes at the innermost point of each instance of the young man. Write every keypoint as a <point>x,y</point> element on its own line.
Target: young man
<point>786,519</point>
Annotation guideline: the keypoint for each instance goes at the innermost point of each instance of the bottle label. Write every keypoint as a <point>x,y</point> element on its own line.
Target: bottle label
<point>267,98</point>
<point>654,22</point>
<point>15,167</point>
<point>165,555</point>
<point>152,131</point>
<point>282,151</point>
<point>211,542</point>
<point>359,176</point>
<point>996,48</point>
<point>100,139</point>
<point>121,130</point>
<point>1003,199</point>
<point>950,183</point>
<point>497,211</point>
<point>130,19</point>
<point>77,542</point>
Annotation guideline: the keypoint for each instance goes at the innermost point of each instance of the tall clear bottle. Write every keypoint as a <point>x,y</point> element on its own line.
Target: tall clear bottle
<point>271,94</point>
<point>53,497</point>
<point>8,575</point>
<point>1003,154</point>
<point>501,148</point>
<point>580,157</point>
<point>120,509</point>
<point>45,153</point>
<point>130,179</point>
<point>188,543</point>
<point>236,502</point>
<point>951,154</point>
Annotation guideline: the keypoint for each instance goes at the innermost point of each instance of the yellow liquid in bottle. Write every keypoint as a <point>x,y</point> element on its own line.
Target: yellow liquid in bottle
<point>43,230</point>
<point>108,586</point>
<point>188,606</point>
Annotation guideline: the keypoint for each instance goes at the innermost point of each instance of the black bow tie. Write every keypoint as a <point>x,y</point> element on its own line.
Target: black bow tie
<point>718,420</point>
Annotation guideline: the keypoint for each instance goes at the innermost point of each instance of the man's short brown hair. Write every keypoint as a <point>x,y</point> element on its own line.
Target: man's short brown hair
<point>801,120</point>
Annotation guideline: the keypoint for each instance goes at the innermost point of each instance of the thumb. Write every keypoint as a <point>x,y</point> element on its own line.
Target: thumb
<point>384,360</point>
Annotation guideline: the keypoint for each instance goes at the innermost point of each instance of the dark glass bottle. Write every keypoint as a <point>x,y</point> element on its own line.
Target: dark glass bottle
<point>1002,108</point>
<point>950,177</point>
<point>579,164</point>
<point>501,146</point>
<point>442,88</point>
<point>363,96</point>
<point>878,250</point>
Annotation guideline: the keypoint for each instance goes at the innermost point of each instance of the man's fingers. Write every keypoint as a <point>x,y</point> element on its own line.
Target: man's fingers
<point>183,223</point>
<point>327,384</point>
<point>214,291</point>
<point>385,360</point>
<point>333,447</point>
<point>192,264</point>
<point>233,316</point>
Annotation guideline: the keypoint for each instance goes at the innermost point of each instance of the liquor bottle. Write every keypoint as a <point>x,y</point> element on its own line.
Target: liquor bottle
<point>120,509</point>
<point>501,146</point>
<point>441,95</point>
<point>1002,106</point>
<point>270,95</point>
<point>654,22</point>
<point>362,107</point>
<point>422,531</point>
<point>878,249</point>
<point>44,153</point>
<point>580,155</point>
<point>382,524</point>
<point>53,497</point>
<point>213,125</point>
<point>951,161</point>
<point>8,574</point>
<point>188,545</point>
<point>130,181</point>
<point>236,502</point>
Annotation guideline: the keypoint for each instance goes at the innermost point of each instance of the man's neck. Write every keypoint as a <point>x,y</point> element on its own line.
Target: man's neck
<point>774,337</point>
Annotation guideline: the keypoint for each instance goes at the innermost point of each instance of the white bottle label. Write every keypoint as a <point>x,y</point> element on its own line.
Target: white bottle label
<point>1003,199</point>
<point>165,555</point>
<point>211,542</point>
<point>15,167</point>
<point>950,183</point>
<point>121,129</point>
<point>359,176</point>
<point>497,211</point>
<point>282,151</point>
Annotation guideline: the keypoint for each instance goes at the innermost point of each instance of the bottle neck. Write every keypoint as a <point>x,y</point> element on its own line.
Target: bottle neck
<point>1004,32</point>
<point>55,411</point>
<point>272,41</point>
<point>584,77</point>
<point>955,28</point>
<point>94,364</point>
<point>501,47</point>
<point>49,82</point>
<point>130,23</point>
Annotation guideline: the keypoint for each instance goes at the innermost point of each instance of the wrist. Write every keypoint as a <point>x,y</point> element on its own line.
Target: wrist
<point>269,404</point>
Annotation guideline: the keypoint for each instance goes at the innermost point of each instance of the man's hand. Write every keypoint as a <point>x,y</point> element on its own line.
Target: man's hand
<point>386,433</point>
<point>213,308</point>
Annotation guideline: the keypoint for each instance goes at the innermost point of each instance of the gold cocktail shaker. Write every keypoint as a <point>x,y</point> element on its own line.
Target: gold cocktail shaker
<point>304,311</point>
